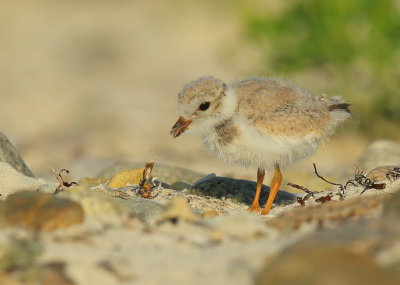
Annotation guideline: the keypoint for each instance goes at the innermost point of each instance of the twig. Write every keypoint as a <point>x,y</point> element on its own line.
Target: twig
<point>302,200</point>
<point>61,183</point>
<point>342,188</point>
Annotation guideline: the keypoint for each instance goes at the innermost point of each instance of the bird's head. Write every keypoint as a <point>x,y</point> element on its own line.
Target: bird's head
<point>200,105</point>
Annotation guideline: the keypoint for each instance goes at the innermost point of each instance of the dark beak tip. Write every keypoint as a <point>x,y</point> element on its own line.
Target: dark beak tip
<point>179,127</point>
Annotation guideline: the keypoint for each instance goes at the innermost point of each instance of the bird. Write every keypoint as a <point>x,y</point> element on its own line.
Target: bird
<point>261,122</point>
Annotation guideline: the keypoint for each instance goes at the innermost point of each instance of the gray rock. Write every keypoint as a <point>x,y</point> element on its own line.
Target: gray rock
<point>98,203</point>
<point>167,174</point>
<point>47,188</point>
<point>144,208</point>
<point>9,154</point>
<point>240,190</point>
<point>379,153</point>
<point>11,180</point>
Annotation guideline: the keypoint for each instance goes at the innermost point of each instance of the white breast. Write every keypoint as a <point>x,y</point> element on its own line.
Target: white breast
<point>254,148</point>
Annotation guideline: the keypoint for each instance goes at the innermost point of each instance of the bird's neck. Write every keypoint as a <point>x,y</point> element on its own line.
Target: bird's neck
<point>229,104</point>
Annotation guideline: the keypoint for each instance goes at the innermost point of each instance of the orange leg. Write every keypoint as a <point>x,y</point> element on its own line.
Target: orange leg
<point>275,184</point>
<point>255,206</point>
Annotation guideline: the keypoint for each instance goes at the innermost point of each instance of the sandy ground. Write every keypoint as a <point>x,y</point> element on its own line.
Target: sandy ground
<point>230,247</point>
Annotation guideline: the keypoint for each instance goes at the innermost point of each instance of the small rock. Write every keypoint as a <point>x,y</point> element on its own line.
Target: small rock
<point>379,173</point>
<point>305,263</point>
<point>47,188</point>
<point>241,226</point>
<point>97,203</point>
<point>126,178</point>
<point>12,181</point>
<point>167,174</point>
<point>240,190</point>
<point>178,210</point>
<point>378,153</point>
<point>332,212</point>
<point>39,211</point>
<point>9,154</point>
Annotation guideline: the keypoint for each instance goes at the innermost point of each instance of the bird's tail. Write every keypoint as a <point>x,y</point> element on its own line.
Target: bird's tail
<point>339,111</point>
<point>340,107</point>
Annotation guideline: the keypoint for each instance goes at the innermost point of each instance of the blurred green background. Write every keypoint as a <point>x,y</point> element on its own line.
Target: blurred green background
<point>84,84</point>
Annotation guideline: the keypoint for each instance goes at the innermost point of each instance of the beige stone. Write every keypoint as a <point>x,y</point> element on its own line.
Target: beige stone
<point>40,211</point>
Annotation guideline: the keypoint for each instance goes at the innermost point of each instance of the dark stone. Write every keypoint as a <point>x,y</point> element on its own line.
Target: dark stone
<point>9,154</point>
<point>240,190</point>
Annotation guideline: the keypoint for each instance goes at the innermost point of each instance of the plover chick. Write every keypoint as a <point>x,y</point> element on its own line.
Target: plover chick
<point>261,122</point>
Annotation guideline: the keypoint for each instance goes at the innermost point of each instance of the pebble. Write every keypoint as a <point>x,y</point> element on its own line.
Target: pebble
<point>126,177</point>
<point>177,210</point>
<point>40,211</point>
<point>383,172</point>
<point>12,181</point>
<point>99,204</point>
<point>378,153</point>
<point>241,191</point>
<point>9,154</point>
<point>47,188</point>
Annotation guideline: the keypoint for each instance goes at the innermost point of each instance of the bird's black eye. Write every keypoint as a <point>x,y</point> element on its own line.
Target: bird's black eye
<point>204,106</point>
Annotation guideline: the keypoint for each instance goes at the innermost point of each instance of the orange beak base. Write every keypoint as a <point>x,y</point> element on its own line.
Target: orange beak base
<point>180,127</point>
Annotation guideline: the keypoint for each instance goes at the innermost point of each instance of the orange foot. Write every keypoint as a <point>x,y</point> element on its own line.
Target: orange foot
<point>254,208</point>
<point>275,184</point>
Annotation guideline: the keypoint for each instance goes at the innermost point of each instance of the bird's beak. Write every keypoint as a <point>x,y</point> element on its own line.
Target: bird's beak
<point>180,127</point>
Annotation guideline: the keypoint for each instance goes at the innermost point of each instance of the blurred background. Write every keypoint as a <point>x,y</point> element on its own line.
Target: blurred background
<point>85,84</point>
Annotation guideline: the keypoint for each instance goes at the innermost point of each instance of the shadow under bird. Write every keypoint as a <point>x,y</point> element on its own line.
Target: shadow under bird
<point>260,122</point>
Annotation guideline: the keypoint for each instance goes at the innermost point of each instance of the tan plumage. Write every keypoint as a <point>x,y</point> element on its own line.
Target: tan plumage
<point>278,107</point>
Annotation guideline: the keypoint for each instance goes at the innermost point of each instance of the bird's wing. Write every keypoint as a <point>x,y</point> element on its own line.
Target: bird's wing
<point>277,107</point>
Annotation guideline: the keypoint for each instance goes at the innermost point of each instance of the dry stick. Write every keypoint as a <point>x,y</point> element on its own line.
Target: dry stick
<point>300,187</point>
<point>393,174</point>
<point>145,188</point>
<point>62,184</point>
<point>332,183</point>
<point>303,200</point>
